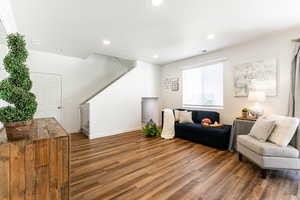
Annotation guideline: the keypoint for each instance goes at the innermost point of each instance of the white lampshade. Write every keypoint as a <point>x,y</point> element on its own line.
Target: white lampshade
<point>257,96</point>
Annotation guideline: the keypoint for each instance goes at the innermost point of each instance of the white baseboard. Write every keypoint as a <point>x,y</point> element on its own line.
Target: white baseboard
<point>114,132</point>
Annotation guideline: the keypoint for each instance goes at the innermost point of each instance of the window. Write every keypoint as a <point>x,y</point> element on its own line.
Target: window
<point>203,86</point>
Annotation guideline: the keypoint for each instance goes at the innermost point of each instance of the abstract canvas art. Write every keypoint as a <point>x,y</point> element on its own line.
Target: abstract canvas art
<point>259,75</point>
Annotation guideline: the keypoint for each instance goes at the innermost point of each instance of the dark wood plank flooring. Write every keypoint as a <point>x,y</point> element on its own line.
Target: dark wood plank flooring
<point>130,166</point>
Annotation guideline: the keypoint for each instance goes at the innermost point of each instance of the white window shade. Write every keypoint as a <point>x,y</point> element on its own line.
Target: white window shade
<point>203,86</point>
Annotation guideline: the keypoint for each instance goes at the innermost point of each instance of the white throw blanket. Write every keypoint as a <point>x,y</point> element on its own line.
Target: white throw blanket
<point>168,131</point>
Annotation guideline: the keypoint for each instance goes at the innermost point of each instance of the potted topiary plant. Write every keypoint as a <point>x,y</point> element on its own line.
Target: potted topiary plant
<point>151,130</point>
<point>245,112</point>
<point>15,89</point>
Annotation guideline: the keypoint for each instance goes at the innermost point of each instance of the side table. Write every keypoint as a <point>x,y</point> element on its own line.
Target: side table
<point>240,127</point>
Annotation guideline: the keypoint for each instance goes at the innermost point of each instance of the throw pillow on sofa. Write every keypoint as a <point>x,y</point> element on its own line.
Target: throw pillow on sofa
<point>177,114</point>
<point>262,129</point>
<point>185,117</point>
<point>284,131</point>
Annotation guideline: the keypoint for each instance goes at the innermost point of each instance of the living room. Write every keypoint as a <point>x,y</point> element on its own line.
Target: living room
<point>151,99</point>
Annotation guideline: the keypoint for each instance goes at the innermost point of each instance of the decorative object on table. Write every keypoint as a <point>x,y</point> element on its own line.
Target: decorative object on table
<point>253,75</point>
<point>151,129</point>
<point>245,113</point>
<point>214,125</point>
<point>257,97</point>
<point>206,122</point>
<point>239,127</point>
<point>251,115</point>
<point>18,130</point>
<point>16,89</point>
<point>168,131</point>
<point>171,84</point>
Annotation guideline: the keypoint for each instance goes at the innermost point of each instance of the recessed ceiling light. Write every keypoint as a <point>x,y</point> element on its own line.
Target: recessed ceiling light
<point>211,36</point>
<point>106,42</point>
<point>157,2</point>
<point>155,56</point>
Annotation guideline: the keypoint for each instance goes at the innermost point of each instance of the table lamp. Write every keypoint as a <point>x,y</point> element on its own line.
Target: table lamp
<point>257,97</point>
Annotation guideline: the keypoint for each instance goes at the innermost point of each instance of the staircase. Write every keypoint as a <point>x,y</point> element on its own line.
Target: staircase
<point>85,106</point>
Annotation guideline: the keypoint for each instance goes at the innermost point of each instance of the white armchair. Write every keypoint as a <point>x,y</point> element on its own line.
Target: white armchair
<point>271,156</point>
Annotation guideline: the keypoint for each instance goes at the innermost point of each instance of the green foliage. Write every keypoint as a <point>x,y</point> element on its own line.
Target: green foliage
<point>151,130</point>
<point>245,110</point>
<point>16,88</point>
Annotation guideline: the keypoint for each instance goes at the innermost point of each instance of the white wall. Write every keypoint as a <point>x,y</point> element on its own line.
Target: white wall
<point>118,108</point>
<point>7,17</point>
<point>80,78</point>
<point>275,46</point>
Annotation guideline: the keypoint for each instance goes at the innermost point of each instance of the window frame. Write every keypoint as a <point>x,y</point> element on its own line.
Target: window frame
<point>218,61</point>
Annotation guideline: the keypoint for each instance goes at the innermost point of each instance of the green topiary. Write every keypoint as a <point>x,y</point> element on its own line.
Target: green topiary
<point>245,110</point>
<point>16,88</point>
<point>151,130</point>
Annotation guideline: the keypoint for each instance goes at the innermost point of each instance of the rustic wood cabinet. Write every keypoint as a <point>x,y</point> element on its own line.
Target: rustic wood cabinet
<point>37,168</point>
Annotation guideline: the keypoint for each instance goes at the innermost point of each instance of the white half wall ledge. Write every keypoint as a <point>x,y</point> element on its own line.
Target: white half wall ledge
<point>7,17</point>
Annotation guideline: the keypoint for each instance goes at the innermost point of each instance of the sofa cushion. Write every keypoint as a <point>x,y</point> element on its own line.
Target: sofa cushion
<point>267,148</point>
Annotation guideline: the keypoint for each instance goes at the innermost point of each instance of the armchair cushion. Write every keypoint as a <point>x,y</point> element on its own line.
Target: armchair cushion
<point>262,129</point>
<point>284,131</point>
<point>267,148</point>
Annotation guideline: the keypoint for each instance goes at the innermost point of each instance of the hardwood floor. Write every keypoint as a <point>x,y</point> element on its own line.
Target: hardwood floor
<point>130,166</point>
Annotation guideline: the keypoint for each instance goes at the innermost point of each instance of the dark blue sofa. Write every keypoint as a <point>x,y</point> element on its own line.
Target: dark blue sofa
<point>214,137</point>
